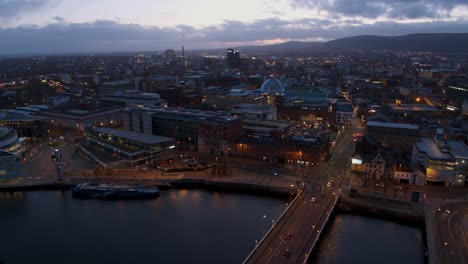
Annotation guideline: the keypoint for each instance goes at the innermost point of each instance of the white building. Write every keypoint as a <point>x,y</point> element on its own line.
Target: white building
<point>372,167</point>
<point>344,114</point>
<point>442,162</point>
<point>409,176</point>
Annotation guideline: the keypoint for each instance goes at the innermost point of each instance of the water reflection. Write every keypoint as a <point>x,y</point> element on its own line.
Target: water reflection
<point>4,196</point>
<point>181,226</point>
<point>358,239</point>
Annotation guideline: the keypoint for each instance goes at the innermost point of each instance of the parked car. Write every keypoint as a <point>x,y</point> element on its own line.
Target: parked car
<point>380,185</point>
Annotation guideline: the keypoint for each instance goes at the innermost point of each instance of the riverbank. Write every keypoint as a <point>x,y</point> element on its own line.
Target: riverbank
<point>259,185</point>
<point>394,211</point>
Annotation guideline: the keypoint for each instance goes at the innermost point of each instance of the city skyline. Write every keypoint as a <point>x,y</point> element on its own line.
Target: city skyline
<point>54,26</point>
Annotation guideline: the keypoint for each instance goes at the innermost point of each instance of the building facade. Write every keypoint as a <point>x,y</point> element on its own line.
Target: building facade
<point>110,147</point>
<point>344,114</point>
<point>80,119</point>
<point>10,142</point>
<point>371,167</point>
<point>292,151</point>
<point>443,162</point>
<point>188,126</point>
<point>396,136</point>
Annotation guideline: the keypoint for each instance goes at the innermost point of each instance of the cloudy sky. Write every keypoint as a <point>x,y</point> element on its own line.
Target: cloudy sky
<point>32,26</point>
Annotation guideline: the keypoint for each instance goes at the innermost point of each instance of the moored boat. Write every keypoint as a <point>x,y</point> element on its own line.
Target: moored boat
<point>111,191</point>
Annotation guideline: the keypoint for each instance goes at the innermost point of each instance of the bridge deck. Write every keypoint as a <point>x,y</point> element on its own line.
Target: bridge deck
<point>303,222</point>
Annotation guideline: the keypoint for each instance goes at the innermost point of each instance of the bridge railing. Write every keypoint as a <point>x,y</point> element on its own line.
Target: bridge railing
<point>321,229</point>
<point>271,228</point>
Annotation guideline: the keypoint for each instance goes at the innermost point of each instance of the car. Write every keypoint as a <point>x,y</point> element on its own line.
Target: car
<point>397,187</point>
<point>328,184</point>
<point>287,252</point>
<point>380,185</point>
<point>448,211</point>
<point>313,199</point>
<point>288,237</point>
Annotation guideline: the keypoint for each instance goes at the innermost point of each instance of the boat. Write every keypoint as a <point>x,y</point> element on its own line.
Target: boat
<point>113,191</point>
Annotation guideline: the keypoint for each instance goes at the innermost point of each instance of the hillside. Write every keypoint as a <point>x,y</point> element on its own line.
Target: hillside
<point>450,42</point>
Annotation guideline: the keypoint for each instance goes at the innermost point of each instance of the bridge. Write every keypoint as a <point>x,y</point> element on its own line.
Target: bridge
<point>296,233</point>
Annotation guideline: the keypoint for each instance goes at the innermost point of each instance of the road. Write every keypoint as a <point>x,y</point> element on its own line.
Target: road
<point>300,227</point>
<point>452,231</point>
<point>302,223</point>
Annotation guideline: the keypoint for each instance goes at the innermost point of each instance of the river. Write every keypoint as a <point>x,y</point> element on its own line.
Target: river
<point>181,226</point>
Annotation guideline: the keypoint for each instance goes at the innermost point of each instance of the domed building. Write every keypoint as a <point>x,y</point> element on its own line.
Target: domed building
<point>272,86</point>
<point>10,142</point>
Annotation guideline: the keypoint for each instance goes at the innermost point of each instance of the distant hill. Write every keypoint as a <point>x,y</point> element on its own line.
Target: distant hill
<point>437,42</point>
<point>286,47</point>
<point>291,46</point>
<point>446,42</point>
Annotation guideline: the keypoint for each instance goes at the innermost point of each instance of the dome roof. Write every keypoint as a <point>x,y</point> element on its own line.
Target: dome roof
<point>272,86</point>
<point>4,131</point>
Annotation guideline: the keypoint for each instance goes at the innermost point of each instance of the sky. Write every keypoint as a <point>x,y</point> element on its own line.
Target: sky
<point>57,26</point>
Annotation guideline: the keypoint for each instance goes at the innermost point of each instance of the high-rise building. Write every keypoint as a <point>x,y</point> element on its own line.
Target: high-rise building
<point>233,58</point>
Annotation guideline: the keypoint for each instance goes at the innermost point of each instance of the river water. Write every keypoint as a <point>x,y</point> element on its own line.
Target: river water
<point>354,239</point>
<point>181,226</point>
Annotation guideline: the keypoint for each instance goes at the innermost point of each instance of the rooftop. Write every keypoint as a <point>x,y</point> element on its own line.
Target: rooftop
<point>344,107</point>
<point>139,137</point>
<point>458,149</point>
<point>5,154</point>
<point>14,116</point>
<point>432,149</point>
<point>392,125</point>
<point>117,83</point>
<point>190,114</point>
<point>253,108</point>
<point>414,107</point>
<point>266,125</point>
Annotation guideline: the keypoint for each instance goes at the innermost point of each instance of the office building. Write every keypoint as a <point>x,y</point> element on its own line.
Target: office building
<point>193,129</point>
<point>80,117</point>
<point>133,98</point>
<point>233,58</point>
<point>395,136</point>
<point>297,151</point>
<point>443,162</point>
<point>344,114</point>
<point>115,86</point>
<point>111,147</point>
<point>10,142</point>
<point>255,111</point>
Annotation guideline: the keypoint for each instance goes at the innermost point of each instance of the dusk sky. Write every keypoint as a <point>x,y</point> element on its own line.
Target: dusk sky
<point>29,26</point>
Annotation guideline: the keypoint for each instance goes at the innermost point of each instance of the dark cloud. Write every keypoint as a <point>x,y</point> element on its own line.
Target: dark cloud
<point>11,8</point>
<point>109,35</point>
<point>389,8</point>
<point>59,19</point>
